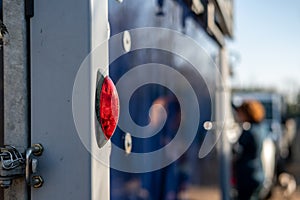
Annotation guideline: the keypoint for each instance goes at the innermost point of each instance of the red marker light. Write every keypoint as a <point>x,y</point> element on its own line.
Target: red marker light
<point>108,107</point>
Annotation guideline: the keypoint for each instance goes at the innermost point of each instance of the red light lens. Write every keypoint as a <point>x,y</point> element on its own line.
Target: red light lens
<point>108,107</point>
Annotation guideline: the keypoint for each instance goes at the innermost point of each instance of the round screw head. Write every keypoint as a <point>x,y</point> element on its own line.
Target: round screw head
<point>38,149</point>
<point>37,181</point>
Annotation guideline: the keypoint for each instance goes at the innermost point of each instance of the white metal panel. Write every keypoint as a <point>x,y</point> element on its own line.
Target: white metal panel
<point>63,33</point>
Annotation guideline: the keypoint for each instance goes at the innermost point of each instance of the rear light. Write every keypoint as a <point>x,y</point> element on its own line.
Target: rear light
<point>107,107</point>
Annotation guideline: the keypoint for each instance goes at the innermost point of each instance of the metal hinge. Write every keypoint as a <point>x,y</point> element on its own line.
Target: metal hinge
<point>13,165</point>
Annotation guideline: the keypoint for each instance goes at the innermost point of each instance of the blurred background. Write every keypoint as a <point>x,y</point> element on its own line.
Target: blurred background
<point>256,47</point>
<point>265,53</point>
<point>261,40</point>
<point>266,46</point>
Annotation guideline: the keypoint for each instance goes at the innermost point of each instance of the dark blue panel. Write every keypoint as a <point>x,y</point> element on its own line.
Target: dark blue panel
<point>168,182</point>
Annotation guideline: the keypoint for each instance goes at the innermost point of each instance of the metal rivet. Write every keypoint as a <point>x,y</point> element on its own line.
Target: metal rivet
<point>37,181</point>
<point>128,143</point>
<point>37,149</point>
<point>126,41</point>
<point>208,125</point>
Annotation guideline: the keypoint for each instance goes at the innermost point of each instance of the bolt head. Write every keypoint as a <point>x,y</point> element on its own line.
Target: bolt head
<point>37,181</point>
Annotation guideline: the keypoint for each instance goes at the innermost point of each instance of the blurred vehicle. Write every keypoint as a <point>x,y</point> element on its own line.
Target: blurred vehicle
<point>274,108</point>
<point>289,133</point>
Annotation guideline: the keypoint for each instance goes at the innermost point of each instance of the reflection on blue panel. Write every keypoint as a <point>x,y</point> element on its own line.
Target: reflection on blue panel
<point>170,181</point>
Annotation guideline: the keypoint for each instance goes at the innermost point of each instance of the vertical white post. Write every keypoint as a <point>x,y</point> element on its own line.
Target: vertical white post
<point>100,175</point>
<point>224,114</point>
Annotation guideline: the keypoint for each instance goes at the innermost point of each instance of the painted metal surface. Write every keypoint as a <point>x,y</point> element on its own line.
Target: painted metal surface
<point>63,33</point>
<point>176,180</point>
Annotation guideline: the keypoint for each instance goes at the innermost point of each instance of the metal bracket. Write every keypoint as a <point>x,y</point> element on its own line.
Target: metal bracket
<point>32,179</point>
<point>13,165</point>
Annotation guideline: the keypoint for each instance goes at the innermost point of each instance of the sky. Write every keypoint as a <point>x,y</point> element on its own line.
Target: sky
<point>267,40</point>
